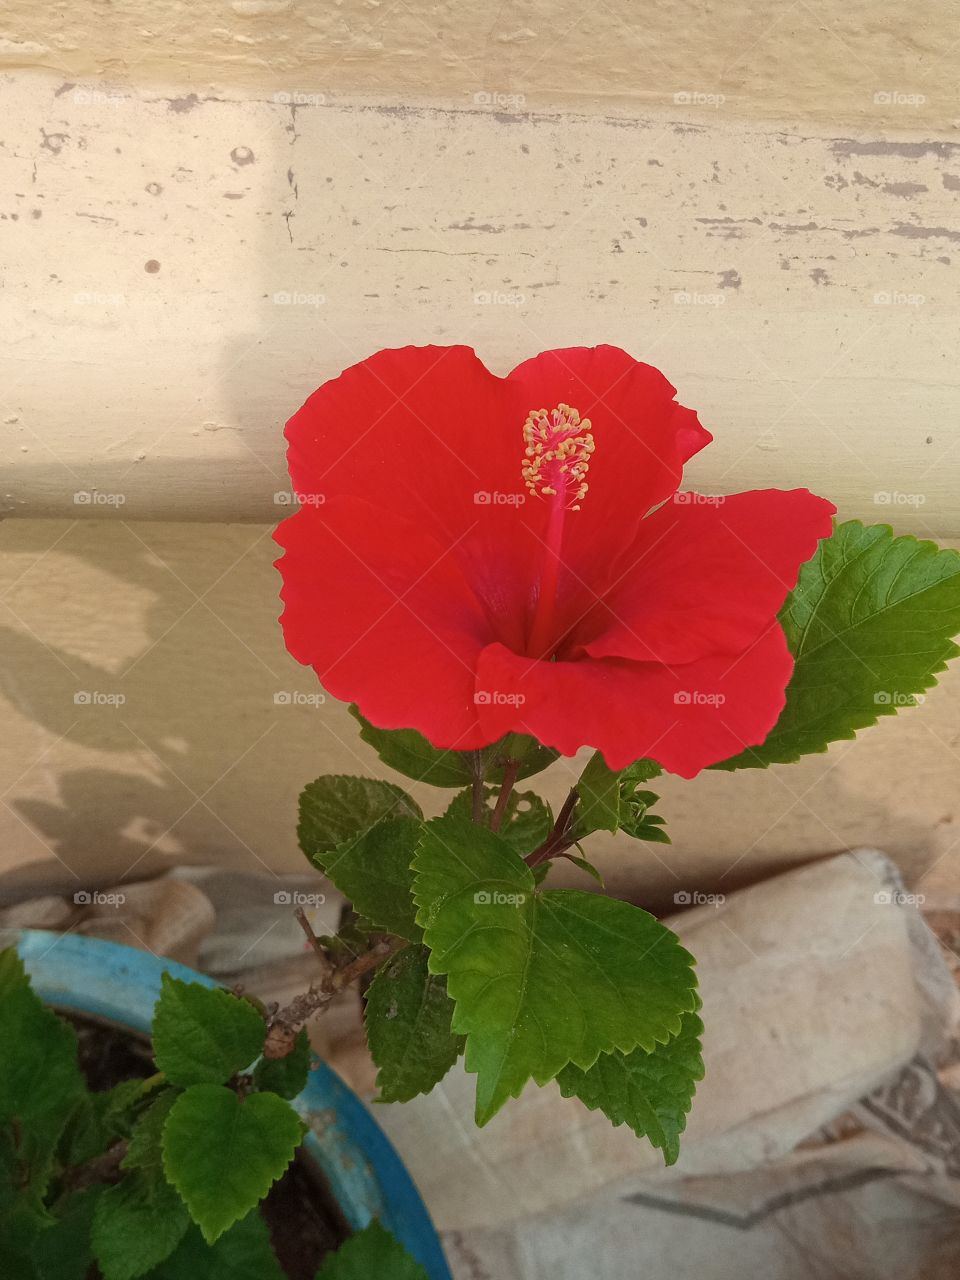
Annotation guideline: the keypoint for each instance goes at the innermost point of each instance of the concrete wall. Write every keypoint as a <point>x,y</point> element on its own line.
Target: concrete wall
<point>206,210</point>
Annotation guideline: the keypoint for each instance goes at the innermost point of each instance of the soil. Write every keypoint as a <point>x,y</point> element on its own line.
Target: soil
<point>304,1220</point>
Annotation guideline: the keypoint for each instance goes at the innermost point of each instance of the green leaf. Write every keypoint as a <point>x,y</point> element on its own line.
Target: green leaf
<point>371,1254</point>
<point>145,1150</point>
<point>610,800</point>
<point>223,1155</point>
<point>202,1035</point>
<point>651,1092</point>
<point>540,977</point>
<point>373,870</point>
<point>585,865</point>
<point>526,820</point>
<point>136,1224</point>
<point>869,625</point>
<point>411,754</point>
<point>408,1015</point>
<point>40,1081</point>
<point>62,1251</point>
<point>336,808</point>
<point>242,1253</point>
<point>286,1076</point>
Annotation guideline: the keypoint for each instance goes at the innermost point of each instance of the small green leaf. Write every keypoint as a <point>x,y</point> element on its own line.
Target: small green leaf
<point>585,865</point>
<point>40,1081</point>
<point>869,625</point>
<point>145,1150</point>
<point>411,754</point>
<point>610,800</point>
<point>540,977</point>
<point>62,1251</point>
<point>651,1092</point>
<point>286,1076</point>
<point>526,820</point>
<point>407,1017</point>
<point>373,870</point>
<point>202,1035</point>
<point>224,1155</point>
<point>371,1254</point>
<point>336,808</point>
<point>242,1253</point>
<point>136,1224</point>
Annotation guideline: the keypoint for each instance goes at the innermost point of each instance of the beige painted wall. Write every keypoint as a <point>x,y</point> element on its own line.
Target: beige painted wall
<point>873,63</point>
<point>199,763</point>
<point>209,209</point>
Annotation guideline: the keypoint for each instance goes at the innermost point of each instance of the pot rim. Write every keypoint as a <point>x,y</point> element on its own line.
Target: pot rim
<point>121,984</point>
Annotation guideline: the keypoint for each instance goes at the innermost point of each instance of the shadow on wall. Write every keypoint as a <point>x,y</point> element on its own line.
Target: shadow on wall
<point>201,762</point>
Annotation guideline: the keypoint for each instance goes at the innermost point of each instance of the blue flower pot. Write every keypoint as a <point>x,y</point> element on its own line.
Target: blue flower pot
<point>122,984</point>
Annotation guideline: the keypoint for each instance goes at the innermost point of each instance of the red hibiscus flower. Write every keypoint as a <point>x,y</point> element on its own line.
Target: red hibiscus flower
<point>476,555</point>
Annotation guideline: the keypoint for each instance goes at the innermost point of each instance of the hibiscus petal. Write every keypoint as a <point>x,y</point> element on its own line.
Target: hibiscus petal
<point>685,717</point>
<point>384,615</point>
<point>705,576</point>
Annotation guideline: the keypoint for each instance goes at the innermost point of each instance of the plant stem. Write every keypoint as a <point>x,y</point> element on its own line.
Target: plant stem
<point>312,938</point>
<point>510,771</point>
<point>285,1025</point>
<point>477,787</point>
<point>560,837</point>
